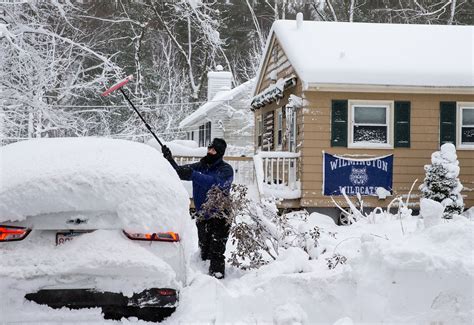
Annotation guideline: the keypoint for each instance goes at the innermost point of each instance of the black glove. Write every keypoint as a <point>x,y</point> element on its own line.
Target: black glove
<point>167,153</point>
<point>184,172</point>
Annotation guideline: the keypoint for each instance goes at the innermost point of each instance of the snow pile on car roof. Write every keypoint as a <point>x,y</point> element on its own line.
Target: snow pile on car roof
<point>91,174</point>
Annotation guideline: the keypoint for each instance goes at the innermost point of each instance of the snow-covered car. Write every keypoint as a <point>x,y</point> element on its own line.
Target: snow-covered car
<point>91,222</point>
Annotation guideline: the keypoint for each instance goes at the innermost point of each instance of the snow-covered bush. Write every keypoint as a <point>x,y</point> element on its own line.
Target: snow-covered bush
<point>355,212</point>
<point>334,260</point>
<point>441,182</point>
<point>258,230</point>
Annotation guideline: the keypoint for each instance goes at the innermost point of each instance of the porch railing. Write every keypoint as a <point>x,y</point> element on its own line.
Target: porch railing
<point>244,171</point>
<point>276,174</point>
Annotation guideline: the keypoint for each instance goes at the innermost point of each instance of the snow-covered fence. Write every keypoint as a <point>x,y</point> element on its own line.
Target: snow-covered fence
<point>277,174</point>
<point>244,171</point>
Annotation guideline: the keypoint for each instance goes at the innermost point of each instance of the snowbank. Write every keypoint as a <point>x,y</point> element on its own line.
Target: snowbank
<point>91,174</point>
<point>423,276</point>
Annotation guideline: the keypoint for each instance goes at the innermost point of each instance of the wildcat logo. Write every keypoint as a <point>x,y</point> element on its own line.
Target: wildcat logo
<point>359,176</point>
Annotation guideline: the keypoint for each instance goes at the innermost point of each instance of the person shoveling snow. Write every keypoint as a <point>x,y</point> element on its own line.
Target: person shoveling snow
<point>211,172</point>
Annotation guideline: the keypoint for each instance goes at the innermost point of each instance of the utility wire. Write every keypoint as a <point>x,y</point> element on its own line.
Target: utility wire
<point>139,105</point>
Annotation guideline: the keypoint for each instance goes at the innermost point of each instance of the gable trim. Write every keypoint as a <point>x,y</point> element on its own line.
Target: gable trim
<point>264,63</point>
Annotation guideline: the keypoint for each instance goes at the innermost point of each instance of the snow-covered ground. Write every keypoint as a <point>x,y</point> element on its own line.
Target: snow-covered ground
<point>416,275</point>
<point>409,270</point>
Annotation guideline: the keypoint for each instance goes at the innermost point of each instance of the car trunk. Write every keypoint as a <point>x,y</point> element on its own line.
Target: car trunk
<point>82,248</point>
<point>74,220</point>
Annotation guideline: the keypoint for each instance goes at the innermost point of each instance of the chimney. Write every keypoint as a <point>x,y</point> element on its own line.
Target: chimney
<point>217,81</point>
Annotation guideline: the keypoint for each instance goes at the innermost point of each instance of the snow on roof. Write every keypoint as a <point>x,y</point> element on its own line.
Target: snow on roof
<point>378,54</point>
<point>55,175</point>
<point>216,102</point>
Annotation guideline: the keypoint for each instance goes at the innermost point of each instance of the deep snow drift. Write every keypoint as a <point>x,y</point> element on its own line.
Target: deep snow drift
<point>422,276</point>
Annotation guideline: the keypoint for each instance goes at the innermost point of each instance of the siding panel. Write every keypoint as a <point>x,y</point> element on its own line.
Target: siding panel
<point>408,162</point>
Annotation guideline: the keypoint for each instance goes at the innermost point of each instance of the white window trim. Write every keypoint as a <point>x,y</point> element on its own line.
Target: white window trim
<point>371,103</point>
<point>460,106</point>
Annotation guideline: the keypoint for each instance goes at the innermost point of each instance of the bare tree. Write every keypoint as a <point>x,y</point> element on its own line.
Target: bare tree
<point>202,46</point>
<point>396,11</point>
<point>42,69</point>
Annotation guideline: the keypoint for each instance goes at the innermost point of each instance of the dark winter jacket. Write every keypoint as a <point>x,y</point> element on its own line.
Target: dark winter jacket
<point>205,176</point>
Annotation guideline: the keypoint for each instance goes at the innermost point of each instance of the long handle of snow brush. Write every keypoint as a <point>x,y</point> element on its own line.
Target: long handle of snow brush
<point>119,86</point>
<point>141,117</point>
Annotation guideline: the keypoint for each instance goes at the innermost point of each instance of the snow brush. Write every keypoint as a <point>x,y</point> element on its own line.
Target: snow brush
<point>119,86</point>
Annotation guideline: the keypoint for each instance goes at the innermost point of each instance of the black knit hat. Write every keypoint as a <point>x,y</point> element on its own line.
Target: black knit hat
<point>219,146</point>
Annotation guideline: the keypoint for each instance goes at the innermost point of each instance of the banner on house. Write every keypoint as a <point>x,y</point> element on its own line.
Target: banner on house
<point>362,176</point>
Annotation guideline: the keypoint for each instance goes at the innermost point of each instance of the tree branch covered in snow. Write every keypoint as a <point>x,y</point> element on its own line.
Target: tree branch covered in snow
<point>258,230</point>
<point>43,64</point>
<point>447,12</point>
<point>201,47</point>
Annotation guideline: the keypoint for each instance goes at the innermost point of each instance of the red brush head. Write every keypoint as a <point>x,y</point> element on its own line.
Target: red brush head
<point>117,86</point>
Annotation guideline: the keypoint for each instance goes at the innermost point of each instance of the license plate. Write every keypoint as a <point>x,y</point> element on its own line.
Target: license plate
<point>64,237</point>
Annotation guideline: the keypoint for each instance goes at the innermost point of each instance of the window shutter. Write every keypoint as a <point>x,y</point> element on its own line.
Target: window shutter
<point>268,129</point>
<point>447,127</point>
<point>339,123</point>
<point>402,124</point>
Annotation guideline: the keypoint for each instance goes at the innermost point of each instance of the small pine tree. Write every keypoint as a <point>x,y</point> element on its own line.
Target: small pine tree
<point>441,182</point>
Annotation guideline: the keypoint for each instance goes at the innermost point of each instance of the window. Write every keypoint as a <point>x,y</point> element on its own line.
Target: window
<point>279,127</point>
<point>205,134</point>
<point>370,124</point>
<point>208,134</point>
<point>465,127</point>
<point>201,136</point>
<point>259,130</point>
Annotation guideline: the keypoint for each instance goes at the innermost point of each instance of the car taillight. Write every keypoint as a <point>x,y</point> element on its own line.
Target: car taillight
<point>10,233</point>
<point>156,236</point>
<point>167,292</point>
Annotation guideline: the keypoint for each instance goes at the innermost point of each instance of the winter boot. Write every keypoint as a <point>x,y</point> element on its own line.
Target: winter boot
<point>217,275</point>
<point>217,268</point>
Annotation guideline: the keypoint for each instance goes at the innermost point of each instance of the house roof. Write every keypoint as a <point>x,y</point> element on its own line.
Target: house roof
<point>220,98</point>
<point>377,54</point>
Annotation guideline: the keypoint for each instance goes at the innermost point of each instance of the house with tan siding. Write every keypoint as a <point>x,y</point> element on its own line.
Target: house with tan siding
<point>360,93</point>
